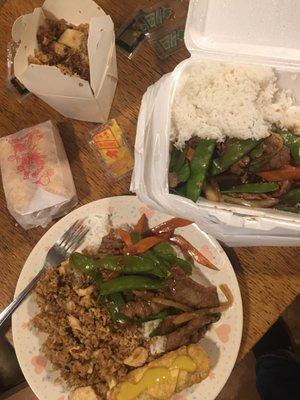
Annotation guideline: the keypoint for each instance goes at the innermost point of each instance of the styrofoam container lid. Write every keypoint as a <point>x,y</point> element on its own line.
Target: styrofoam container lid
<point>264,32</point>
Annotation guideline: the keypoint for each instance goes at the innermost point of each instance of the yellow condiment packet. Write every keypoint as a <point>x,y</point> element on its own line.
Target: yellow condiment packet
<point>112,149</point>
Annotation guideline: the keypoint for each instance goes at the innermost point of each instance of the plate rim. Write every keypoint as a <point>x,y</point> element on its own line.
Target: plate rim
<point>209,238</point>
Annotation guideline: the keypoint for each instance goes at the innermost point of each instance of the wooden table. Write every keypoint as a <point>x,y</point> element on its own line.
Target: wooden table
<point>268,277</point>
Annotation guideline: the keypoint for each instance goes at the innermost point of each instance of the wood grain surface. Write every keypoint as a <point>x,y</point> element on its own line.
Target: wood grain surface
<point>268,277</point>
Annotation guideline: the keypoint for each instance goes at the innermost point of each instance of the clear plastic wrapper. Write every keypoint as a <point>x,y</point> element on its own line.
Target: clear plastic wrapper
<point>36,175</point>
<point>169,39</point>
<point>112,150</point>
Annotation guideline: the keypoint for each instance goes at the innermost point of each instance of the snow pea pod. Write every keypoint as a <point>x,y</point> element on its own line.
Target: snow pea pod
<point>130,282</point>
<point>184,173</point>
<point>292,197</point>
<point>261,187</point>
<point>199,167</point>
<point>288,208</point>
<point>234,153</point>
<point>177,160</point>
<point>115,302</point>
<point>122,264</point>
<point>162,268</point>
<point>164,249</point>
<point>166,252</point>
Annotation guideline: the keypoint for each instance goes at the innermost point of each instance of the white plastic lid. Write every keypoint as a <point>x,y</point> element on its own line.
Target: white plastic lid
<point>260,31</point>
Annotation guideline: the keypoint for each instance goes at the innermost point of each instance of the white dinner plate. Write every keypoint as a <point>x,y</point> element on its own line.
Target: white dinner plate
<point>222,342</point>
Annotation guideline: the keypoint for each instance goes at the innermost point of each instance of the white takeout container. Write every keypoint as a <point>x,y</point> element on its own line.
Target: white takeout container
<point>70,95</point>
<point>245,31</point>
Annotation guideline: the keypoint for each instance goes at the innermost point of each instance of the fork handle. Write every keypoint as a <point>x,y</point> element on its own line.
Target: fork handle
<point>7,312</point>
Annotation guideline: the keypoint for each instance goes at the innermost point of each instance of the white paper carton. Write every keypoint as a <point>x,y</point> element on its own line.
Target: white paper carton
<point>70,95</point>
<point>251,32</point>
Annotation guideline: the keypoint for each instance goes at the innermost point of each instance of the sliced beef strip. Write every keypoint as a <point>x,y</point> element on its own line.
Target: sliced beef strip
<point>192,332</point>
<point>184,290</point>
<point>167,325</point>
<point>110,245</point>
<point>193,142</point>
<point>278,160</point>
<point>284,187</point>
<point>140,309</point>
<point>240,166</point>
<point>272,144</point>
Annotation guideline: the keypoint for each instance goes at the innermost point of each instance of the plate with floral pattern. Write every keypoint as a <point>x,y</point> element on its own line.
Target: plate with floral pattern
<point>221,342</point>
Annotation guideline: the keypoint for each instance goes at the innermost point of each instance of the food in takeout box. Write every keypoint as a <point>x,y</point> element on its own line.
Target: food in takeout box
<point>230,138</point>
<point>65,46</point>
<point>110,145</point>
<point>36,175</point>
<point>66,57</point>
<point>247,120</point>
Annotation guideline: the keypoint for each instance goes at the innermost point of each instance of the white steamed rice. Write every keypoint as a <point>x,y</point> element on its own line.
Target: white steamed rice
<point>217,100</point>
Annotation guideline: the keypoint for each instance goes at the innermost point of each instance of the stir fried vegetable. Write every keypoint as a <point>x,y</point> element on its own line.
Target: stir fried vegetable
<point>142,224</point>
<point>121,264</point>
<point>169,226</point>
<point>130,282</point>
<point>200,164</point>
<point>253,188</point>
<point>292,197</point>
<point>234,153</point>
<point>244,172</point>
<point>289,172</point>
<point>181,242</point>
<point>145,244</point>
<point>177,160</point>
<point>292,141</point>
<point>114,304</point>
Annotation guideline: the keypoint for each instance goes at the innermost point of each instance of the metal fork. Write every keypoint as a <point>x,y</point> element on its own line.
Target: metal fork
<point>59,252</point>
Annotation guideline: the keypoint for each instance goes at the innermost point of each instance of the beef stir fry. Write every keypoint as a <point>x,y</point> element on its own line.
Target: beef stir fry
<point>253,173</point>
<point>140,278</point>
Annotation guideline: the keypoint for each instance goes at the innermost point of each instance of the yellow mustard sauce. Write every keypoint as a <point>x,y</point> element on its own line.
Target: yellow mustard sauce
<point>155,376</point>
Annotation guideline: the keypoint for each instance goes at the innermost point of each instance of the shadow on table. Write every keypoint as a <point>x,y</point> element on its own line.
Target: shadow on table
<point>238,269</point>
<point>73,147</point>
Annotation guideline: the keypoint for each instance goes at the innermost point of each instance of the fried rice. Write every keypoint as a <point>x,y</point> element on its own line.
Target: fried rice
<point>81,343</point>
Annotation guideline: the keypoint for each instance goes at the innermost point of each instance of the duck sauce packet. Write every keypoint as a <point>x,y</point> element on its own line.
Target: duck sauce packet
<point>109,144</point>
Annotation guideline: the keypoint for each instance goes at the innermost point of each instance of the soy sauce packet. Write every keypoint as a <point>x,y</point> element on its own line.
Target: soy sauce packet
<point>147,21</point>
<point>131,34</point>
<point>168,41</point>
<point>13,85</point>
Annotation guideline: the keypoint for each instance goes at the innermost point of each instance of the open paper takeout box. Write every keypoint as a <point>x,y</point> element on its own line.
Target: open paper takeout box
<point>70,95</point>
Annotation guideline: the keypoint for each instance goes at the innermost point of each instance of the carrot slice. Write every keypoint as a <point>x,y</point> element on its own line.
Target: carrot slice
<point>184,245</point>
<point>190,153</point>
<point>142,224</point>
<point>286,173</point>
<point>125,236</point>
<point>146,244</point>
<point>170,226</point>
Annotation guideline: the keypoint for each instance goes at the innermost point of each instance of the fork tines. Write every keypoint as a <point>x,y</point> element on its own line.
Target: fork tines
<point>74,235</point>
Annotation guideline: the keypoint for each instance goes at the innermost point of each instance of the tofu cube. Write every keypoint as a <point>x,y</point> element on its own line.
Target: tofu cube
<point>72,38</point>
